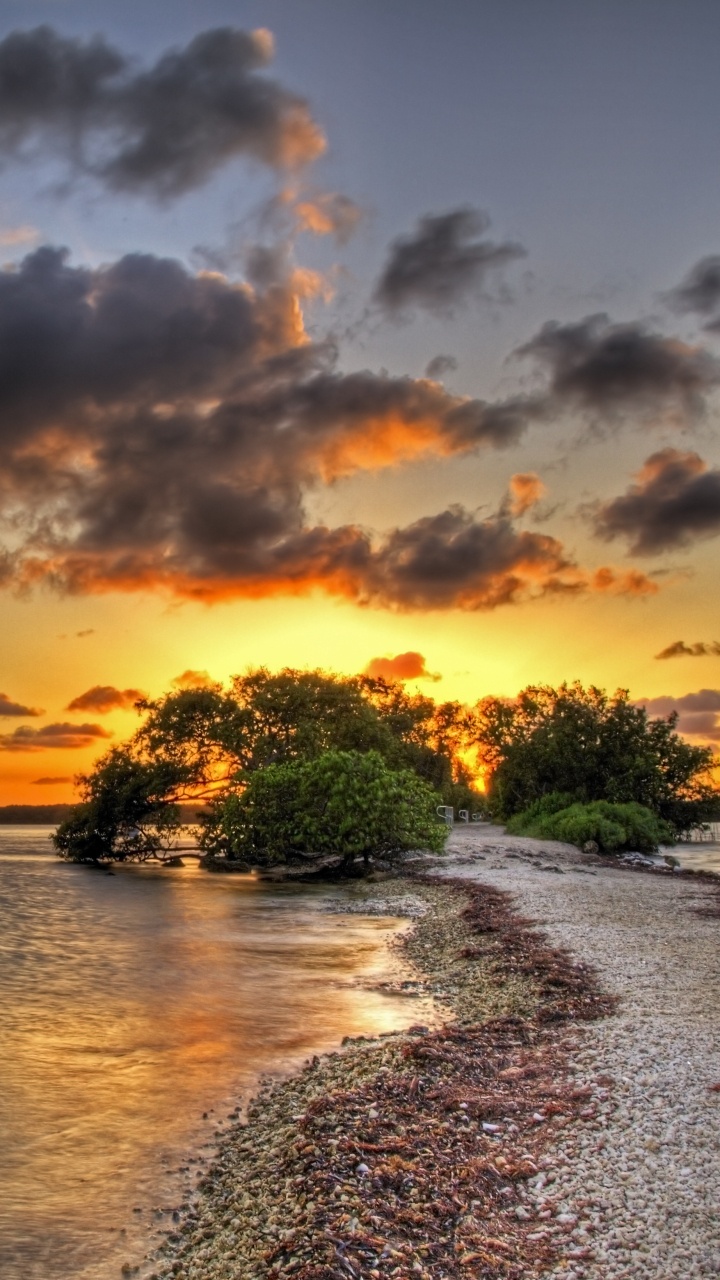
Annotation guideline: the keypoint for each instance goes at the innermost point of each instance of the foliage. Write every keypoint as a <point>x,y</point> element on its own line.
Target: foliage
<point>204,745</point>
<point>346,803</point>
<point>124,813</point>
<point>590,746</point>
<point>613,827</point>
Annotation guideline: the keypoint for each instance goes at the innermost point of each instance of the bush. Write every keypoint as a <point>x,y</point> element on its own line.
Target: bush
<point>344,803</point>
<point>613,827</point>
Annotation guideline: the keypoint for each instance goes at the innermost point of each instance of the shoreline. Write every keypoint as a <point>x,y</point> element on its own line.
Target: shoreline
<point>436,1152</point>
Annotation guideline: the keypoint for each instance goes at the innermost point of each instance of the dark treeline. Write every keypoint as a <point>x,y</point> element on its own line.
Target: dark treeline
<point>39,814</point>
<point>299,764</point>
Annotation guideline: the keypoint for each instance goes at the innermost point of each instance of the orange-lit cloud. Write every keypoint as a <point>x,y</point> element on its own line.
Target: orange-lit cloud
<point>404,666</point>
<point>675,500</point>
<point>50,782</point>
<point>52,736</point>
<point>105,697</point>
<point>526,489</point>
<point>11,237</point>
<point>8,707</point>
<point>328,213</point>
<point>193,680</point>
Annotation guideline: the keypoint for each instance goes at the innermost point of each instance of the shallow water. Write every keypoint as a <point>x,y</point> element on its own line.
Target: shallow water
<point>129,1005</point>
<point>700,856</point>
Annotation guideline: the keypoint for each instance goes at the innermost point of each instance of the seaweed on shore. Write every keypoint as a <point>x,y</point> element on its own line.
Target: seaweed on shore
<point>409,1156</point>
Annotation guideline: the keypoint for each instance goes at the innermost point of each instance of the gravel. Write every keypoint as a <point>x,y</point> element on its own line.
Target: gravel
<point>637,1183</point>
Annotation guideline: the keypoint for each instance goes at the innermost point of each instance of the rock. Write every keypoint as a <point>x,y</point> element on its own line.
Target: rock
<point>591,846</point>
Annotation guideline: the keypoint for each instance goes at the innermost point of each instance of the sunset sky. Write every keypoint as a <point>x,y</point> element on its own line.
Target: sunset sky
<point>356,335</point>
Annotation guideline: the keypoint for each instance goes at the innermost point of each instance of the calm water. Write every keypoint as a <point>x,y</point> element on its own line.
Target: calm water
<point>129,1005</point>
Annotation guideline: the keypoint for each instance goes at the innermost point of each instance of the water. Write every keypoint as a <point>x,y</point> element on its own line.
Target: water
<point>701,856</point>
<point>129,1005</point>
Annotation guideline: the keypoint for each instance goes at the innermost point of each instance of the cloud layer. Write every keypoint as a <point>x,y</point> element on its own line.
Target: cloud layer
<point>161,131</point>
<point>698,713</point>
<point>442,263</point>
<point>161,429</point>
<point>50,737</point>
<point>675,500</point>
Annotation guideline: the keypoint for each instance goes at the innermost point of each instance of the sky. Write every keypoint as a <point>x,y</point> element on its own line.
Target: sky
<point>356,336</point>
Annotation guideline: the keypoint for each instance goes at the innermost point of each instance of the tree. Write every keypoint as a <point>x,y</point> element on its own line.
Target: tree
<point>589,746</point>
<point>125,813</point>
<point>205,745</point>
<point>347,804</point>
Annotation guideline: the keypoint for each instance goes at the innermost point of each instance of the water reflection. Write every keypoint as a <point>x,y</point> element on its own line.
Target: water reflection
<point>129,1005</point>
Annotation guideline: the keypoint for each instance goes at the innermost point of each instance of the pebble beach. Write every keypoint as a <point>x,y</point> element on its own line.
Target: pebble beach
<point>559,1117</point>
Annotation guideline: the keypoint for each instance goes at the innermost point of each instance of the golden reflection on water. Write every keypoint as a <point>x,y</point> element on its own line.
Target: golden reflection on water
<point>129,1005</point>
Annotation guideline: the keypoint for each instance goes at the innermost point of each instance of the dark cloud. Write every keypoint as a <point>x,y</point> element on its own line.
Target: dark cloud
<point>698,713</point>
<point>10,708</point>
<point>162,431</point>
<point>452,560</point>
<point>675,500</point>
<point>162,131</point>
<point>404,666</point>
<point>699,292</point>
<point>611,369</point>
<point>701,649</point>
<point>442,263</point>
<point>104,697</point>
<point>439,366</point>
<point>49,782</point>
<point>51,736</point>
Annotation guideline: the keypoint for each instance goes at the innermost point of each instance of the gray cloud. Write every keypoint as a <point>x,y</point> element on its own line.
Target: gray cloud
<point>105,697</point>
<point>699,292</point>
<point>161,131</point>
<point>609,369</point>
<point>701,649</point>
<point>161,431</point>
<point>52,736</point>
<point>439,366</point>
<point>50,782</point>
<point>698,713</point>
<point>675,500</point>
<point>10,708</point>
<point>442,263</point>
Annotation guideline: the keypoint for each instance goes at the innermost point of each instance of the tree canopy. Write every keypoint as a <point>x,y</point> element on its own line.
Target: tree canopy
<point>346,804</point>
<point>212,746</point>
<point>207,745</point>
<point>588,746</point>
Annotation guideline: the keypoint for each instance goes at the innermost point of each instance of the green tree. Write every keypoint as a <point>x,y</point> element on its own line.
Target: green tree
<point>343,803</point>
<point>590,746</point>
<point>204,745</point>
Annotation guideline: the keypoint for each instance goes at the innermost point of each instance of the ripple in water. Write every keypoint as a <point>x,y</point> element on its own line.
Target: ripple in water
<point>131,1003</point>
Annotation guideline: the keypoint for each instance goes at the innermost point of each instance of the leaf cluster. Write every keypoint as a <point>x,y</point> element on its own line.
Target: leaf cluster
<point>590,746</point>
<point>344,803</point>
<point>613,827</point>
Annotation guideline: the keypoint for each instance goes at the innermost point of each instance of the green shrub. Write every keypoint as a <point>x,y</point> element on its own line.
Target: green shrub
<point>613,827</point>
<point>346,803</point>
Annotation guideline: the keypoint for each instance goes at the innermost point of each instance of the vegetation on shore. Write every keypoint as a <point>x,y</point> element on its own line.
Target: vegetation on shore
<point>303,764</point>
